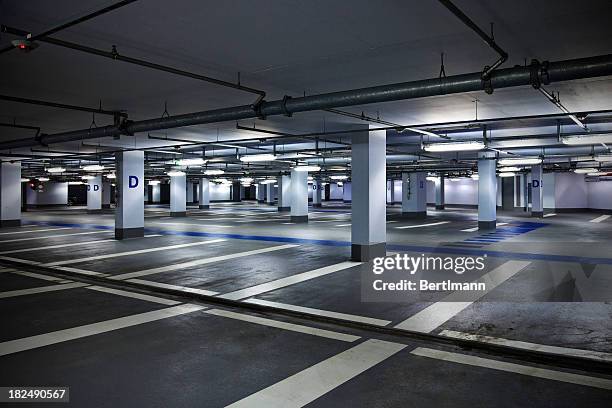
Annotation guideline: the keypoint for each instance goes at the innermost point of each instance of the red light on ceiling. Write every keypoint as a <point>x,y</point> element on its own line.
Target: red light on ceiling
<point>22,46</point>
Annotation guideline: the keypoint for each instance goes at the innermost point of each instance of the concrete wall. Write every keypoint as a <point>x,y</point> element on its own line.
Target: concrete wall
<point>548,190</point>
<point>599,195</point>
<point>53,194</point>
<point>219,192</point>
<point>571,191</point>
<point>335,192</point>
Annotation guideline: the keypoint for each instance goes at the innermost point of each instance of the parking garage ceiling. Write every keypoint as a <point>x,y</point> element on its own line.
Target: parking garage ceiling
<point>325,47</point>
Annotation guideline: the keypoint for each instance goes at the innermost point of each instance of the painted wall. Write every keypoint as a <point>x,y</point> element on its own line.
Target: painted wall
<point>599,195</point>
<point>53,194</point>
<point>219,192</point>
<point>347,195</point>
<point>548,190</point>
<point>335,191</point>
<point>571,191</point>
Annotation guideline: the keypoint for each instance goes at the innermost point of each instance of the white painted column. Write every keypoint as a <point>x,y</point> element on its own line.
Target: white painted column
<point>178,196</point>
<point>155,193</point>
<point>439,183</point>
<point>94,194</point>
<point>10,194</point>
<point>299,196</point>
<point>537,191</point>
<point>106,194</point>
<point>392,195</point>
<point>260,195</point>
<point>189,192</point>
<point>369,205</point>
<point>204,194</point>
<point>316,193</point>
<point>487,191</point>
<point>269,194</point>
<point>284,193</point>
<point>129,216</point>
<point>414,195</point>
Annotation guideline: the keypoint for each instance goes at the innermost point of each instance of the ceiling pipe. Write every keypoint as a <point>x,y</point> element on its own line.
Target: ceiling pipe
<point>555,100</point>
<point>503,78</point>
<point>114,55</point>
<point>503,55</point>
<point>29,37</point>
<point>61,105</point>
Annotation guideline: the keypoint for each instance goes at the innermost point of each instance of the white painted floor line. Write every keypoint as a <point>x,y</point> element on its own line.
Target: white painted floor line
<point>306,386</point>
<point>288,223</point>
<point>77,270</point>
<point>439,313</point>
<point>288,281</point>
<point>431,224</point>
<point>199,262</point>
<point>499,224</point>
<point>595,355</point>
<point>18,260</point>
<point>55,236</point>
<point>343,225</point>
<point>390,222</point>
<point>319,312</point>
<point>174,287</point>
<point>129,253</point>
<point>284,325</point>
<point>41,248</point>
<point>134,295</point>
<point>41,340</point>
<point>32,231</point>
<point>43,289</point>
<point>549,215</point>
<point>41,276</point>
<point>601,218</point>
<point>514,368</point>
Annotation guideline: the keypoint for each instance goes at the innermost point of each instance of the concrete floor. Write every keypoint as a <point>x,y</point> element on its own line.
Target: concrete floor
<point>160,349</point>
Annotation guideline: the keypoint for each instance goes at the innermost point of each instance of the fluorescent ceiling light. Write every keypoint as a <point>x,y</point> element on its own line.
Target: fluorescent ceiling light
<point>175,173</point>
<point>111,176</point>
<point>475,176</point>
<point>25,180</point>
<point>154,182</point>
<point>56,170</point>
<point>191,162</point>
<point>507,174</point>
<point>75,183</point>
<point>597,173</point>
<point>246,179</point>
<point>585,170</point>
<point>93,167</point>
<point>524,161</point>
<point>257,158</point>
<point>432,178</point>
<point>340,184</point>
<point>587,139</point>
<point>510,168</point>
<point>43,179</point>
<point>164,151</point>
<point>307,168</point>
<point>454,147</point>
<point>295,156</point>
<point>603,157</point>
<point>213,172</point>
<point>267,182</point>
<point>87,177</point>
<point>339,177</point>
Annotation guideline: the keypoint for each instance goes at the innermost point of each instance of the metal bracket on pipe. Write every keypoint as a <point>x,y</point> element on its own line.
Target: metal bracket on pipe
<point>486,83</point>
<point>123,127</point>
<point>39,139</point>
<point>534,74</point>
<point>257,108</point>
<point>284,106</point>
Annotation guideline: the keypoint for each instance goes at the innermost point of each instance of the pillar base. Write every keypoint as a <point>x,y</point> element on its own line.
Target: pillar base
<point>537,214</point>
<point>126,233</point>
<point>299,218</point>
<point>365,253</point>
<point>487,225</point>
<point>317,205</point>
<point>204,206</point>
<point>260,201</point>
<point>106,206</point>
<point>439,207</point>
<point>10,223</point>
<point>414,215</point>
<point>284,209</point>
<point>94,211</point>
<point>178,213</point>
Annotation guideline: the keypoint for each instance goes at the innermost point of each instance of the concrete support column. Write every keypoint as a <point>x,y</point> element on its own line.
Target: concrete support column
<point>189,193</point>
<point>204,194</point>
<point>129,216</point>
<point>392,195</point>
<point>10,194</point>
<point>106,194</point>
<point>537,189</point>
<point>260,193</point>
<point>369,206</point>
<point>178,196</point>
<point>236,191</point>
<point>299,196</point>
<point>414,195</point>
<point>269,194</point>
<point>284,193</point>
<point>156,193</point>
<point>94,195</point>
<point>487,191</point>
<point>439,183</point>
<point>316,193</point>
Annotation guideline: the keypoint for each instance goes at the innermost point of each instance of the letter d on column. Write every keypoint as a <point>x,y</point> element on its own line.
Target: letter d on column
<point>132,182</point>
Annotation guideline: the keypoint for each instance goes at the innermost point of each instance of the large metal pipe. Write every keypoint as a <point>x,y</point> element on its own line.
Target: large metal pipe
<point>504,78</point>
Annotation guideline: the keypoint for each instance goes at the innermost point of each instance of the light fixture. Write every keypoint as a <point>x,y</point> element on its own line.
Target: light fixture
<point>25,180</point>
<point>509,168</point>
<point>175,173</point>
<point>93,167</point>
<point>585,170</point>
<point>432,178</point>
<point>306,168</point>
<point>191,162</point>
<point>111,176</point>
<point>75,183</point>
<point>310,178</point>
<point>56,170</point>
<point>522,161</point>
<point>154,182</point>
<point>339,177</point>
<point>340,184</point>
<point>587,139</point>
<point>506,174</point>
<point>88,177</point>
<point>246,180</point>
<point>475,177</point>
<point>43,179</point>
<point>267,182</point>
<point>597,173</point>
<point>603,157</point>
<point>213,172</point>
<point>257,157</point>
<point>454,146</point>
